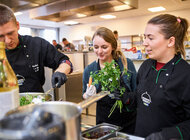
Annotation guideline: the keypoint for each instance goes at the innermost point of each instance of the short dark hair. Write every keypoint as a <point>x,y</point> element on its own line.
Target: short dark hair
<point>64,39</point>
<point>6,14</point>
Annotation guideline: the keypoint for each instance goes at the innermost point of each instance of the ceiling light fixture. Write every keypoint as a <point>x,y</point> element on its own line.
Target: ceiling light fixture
<point>108,16</point>
<point>121,7</point>
<point>127,2</point>
<point>81,15</point>
<point>156,9</point>
<point>71,22</point>
<point>18,13</point>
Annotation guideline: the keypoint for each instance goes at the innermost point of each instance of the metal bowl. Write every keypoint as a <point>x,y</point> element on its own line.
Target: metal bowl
<point>99,131</point>
<point>48,97</point>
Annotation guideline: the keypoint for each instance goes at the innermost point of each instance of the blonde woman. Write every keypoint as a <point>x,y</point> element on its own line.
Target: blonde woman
<point>105,47</point>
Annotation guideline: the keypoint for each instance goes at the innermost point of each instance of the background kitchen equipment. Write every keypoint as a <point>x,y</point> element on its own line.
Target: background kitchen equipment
<point>68,111</point>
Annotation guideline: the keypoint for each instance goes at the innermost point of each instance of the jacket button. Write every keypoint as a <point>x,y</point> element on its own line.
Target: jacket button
<point>161,86</point>
<point>24,46</point>
<point>167,74</point>
<point>27,55</point>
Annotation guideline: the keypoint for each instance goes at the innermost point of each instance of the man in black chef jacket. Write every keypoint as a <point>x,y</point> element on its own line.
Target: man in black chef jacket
<point>29,55</point>
<point>56,45</point>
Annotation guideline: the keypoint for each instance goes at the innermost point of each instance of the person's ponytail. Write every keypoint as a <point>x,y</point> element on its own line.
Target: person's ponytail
<point>118,54</point>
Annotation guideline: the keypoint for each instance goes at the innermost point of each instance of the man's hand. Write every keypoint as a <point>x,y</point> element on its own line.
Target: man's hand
<point>59,79</point>
<point>90,91</point>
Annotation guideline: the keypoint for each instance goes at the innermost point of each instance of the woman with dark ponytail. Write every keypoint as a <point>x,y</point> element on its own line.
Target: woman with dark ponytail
<point>105,47</point>
<point>163,90</point>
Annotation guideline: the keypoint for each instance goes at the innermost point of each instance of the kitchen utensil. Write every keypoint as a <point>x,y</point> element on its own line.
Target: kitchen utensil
<point>48,92</point>
<point>121,136</point>
<point>86,103</point>
<point>100,131</point>
<point>48,97</point>
<point>35,125</point>
<point>70,113</point>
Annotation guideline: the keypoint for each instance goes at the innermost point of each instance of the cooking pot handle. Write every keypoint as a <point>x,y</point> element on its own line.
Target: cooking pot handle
<point>84,104</point>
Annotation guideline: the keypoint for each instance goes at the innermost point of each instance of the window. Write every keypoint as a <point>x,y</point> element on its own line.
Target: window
<point>49,34</point>
<point>24,31</point>
<point>45,33</point>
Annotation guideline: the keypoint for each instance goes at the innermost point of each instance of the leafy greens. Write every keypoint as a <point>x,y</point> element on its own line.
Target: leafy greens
<point>109,78</point>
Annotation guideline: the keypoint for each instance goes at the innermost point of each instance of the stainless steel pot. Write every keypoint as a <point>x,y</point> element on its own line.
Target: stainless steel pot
<point>70,113</point>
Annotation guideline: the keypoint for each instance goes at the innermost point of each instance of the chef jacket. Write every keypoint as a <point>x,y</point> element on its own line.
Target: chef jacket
<point>163,99</point>
<point>28,60</point>
<point>125,119</point>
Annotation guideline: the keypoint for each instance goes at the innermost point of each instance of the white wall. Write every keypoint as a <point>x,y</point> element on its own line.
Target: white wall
<point>127,26</point>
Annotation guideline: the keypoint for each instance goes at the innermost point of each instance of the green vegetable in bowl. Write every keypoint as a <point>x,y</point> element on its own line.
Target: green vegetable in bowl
<point>25,100</point>
<point>28,99</point>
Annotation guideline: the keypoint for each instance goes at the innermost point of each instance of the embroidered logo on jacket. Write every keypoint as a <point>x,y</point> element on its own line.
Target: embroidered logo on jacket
<point>146,99</point>
<point>35,67</point>
<point>20,79</point>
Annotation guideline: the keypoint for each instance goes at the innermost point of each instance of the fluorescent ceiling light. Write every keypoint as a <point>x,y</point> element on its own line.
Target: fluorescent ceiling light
<point>71,22</point>
<point>156,9</point>
<point>126,2</point>
<point>81,15</point>
<point>121,7</point>
<point>108,16</point>
<point>18,13</point>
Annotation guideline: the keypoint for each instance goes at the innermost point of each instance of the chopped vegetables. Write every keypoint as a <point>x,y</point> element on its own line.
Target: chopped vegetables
<point>28,99</point>
<point>96,135</point>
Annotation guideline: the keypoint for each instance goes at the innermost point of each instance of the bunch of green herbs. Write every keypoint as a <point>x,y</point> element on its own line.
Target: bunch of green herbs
<point>109,79</point>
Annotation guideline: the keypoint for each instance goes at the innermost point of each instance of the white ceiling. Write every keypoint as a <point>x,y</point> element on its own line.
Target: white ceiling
<point>143,5</point>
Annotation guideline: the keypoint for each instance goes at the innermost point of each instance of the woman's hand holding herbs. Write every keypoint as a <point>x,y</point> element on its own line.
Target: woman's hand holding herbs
<point>115,95</point>
<point>125,98</point>
<point>109,79</point>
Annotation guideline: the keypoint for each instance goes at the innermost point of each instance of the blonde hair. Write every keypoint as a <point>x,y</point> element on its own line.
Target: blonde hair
<point>109,37</point>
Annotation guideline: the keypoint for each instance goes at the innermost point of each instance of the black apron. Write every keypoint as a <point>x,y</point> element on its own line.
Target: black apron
<point>125,119</point>
<point>153,102</point>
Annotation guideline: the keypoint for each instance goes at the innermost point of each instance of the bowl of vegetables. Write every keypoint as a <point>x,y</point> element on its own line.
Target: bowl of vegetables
<point>33,97</point>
